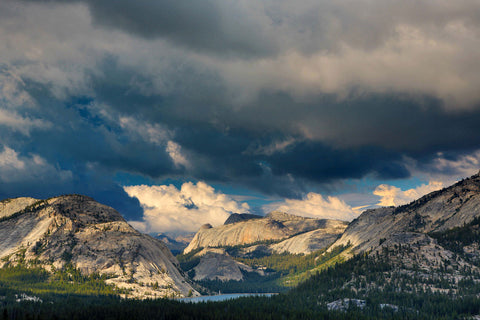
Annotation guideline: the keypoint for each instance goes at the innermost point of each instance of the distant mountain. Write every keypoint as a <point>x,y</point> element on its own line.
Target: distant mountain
<point>275,226</point>
<point>237,217</point>
<point>279,239</point>
<point>75,230</point>
<point>177,244</point>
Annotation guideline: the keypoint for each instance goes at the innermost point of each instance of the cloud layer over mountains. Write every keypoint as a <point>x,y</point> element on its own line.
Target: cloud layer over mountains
<point>278,97</point>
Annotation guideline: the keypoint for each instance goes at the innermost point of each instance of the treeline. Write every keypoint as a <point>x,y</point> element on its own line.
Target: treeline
<point>390,291</point>
<point>68,280</point>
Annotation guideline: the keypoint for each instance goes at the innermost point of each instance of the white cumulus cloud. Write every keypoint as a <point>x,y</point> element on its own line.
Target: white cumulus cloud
<point>393,196</point>
<point>167,208</point>
<point>316,206</point>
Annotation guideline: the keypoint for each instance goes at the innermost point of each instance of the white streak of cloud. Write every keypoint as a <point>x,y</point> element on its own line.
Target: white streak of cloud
<point>167,208</point>
<point>175,152</point>
<point>274,147</point>
<point>21,124</point>
<point>153,133</point>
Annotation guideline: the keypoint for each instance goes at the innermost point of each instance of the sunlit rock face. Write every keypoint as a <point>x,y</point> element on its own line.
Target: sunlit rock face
<point>311,241</point>
<point>275,226</point>
<point>438,211</point>
<point>92,237</point>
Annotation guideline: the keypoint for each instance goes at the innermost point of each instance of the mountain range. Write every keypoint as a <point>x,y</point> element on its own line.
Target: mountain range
<point>221,253</point>
<point>434,240</point>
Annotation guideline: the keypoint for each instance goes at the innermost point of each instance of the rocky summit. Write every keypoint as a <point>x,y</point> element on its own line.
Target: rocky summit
<point>78,231</point>
<point>237,217</point>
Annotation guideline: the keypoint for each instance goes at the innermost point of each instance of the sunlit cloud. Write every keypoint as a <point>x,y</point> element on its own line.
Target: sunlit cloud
<point>167,208</point>
<point>314,205</point>
<point>393,196</point>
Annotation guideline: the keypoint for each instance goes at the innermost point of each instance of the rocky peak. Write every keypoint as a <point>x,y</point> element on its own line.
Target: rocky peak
<point>237,217</point>
<point>283,216</point>
<point>83,210</point>
<point>92,237</point>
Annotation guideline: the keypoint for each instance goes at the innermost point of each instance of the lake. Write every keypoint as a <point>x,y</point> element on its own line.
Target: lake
<point>222,297</point>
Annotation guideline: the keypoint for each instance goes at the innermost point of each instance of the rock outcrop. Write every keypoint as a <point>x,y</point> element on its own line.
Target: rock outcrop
<point>438,211</point>
<point>275,226</point>
<point>217,264</point>
<point>93,238</point>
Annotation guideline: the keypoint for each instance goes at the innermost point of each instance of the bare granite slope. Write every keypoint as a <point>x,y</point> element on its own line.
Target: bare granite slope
<point>275,226</point>
<point>311,241</point>
<point>217,264</point>
<point>440,210</point>
<point>11,206</point>
<point>91,236</point>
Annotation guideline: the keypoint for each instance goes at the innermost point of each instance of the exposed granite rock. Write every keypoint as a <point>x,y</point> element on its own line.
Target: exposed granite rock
<point>275,226</point>
<point>344,304</point>
<point>11,206</point>
<point>94,238</point>
<point>237,217</point>
<point>311,241</point>
<point>217,264</point>
<point>440,210</point>
<point>423,252</point>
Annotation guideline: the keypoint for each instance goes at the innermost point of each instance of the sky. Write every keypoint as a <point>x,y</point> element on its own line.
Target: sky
<point>180,113</point>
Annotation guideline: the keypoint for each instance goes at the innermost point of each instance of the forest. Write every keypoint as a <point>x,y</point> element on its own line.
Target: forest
<point>373,278</point>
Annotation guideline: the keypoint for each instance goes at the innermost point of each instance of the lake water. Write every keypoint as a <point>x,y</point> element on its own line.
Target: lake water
<point>222,297</point>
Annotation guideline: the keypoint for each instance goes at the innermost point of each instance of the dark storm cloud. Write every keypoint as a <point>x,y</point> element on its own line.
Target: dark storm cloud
<point>86,137</point>
<point>30,175</point>
<point>78,152</point>
<point>205,26</point>
<point>368,134</point>
<point>278,98</point>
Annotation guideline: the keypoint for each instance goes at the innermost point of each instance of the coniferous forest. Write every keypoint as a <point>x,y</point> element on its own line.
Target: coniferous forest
<point>387,291</point>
